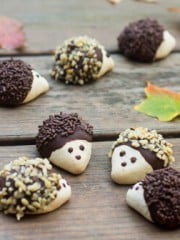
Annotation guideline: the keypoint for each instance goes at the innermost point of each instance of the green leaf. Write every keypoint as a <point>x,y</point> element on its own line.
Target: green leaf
<point>160,103</point>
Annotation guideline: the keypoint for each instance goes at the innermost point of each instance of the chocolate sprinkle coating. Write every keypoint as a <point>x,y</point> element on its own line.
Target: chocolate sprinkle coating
<point>162,195</point>
<point>15,82</point>
<point>61,127</point>
<point>78,61</point>
<point>140,40</point>
<point>27,185</point>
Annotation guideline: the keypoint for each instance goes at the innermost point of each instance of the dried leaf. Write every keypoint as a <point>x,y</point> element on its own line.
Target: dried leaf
<point>11,34</point>
<point>174,9</point>
<point>160,103</point>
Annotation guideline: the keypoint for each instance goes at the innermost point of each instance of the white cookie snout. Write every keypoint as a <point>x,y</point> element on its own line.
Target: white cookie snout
<point>128,165</point>
<point>135,199</point>
<point>167,45</point>
<point>107,64</point>
<point>63,195</point>
<point>39,86</point>
<point>74,156</point>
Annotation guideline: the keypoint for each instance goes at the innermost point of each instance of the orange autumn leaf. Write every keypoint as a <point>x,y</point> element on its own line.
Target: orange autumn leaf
<point>160,103</point>
<point>11,33</point>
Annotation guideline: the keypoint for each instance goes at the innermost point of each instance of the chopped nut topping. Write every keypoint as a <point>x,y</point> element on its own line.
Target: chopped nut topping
<point>29,185</point>
<point>78,60</point>
<point>151,140</point>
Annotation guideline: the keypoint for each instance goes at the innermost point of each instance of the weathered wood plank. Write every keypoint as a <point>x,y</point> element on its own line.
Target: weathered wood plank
<point>97,209</point>
<point>49,26</point>
<point>107,104</point>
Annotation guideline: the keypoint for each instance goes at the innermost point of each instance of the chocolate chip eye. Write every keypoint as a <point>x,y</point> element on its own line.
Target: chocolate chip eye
<point>64,185</point>
<point>122,153</point>
<point>137,188</point>
<point>37,75</point>
<point>70,150</point>
<point>133,159</point>
<point>123,164</point>
<point>81,147</point>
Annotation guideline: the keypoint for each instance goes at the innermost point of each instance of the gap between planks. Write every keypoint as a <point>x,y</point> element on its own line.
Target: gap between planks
<point>12,141</point>
<point>51,52</point>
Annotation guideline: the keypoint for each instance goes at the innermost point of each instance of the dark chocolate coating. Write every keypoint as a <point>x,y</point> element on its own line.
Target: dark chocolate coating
<point>99,54</point>
<point>2,182</point>
<point>59,141</point>
<point>140,40</point>
<point>151,158</point>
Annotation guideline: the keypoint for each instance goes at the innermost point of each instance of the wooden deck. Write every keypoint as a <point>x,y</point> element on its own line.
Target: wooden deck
<point>97,209</point>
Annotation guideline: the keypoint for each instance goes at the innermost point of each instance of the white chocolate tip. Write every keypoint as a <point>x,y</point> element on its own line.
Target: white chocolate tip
<point>107,64</point>
<point>167,45</point>
<point>135,199</point>
<point>39,86</point>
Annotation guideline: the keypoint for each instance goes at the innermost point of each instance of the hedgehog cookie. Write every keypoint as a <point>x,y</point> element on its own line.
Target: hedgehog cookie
<point>28,186</point>
<point>157,197</point>
<point>65,139</point>
<point>80,60</point>
<point>19,83</point>
<point>145,41</point>
<point>137,152</point>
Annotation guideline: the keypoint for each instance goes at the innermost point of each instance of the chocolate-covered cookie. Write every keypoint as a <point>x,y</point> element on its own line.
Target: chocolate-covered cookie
<point>65,139</point>
<point>157,197</point>
<point>28,186</point>
<point>19,83</point>
<point>136,152</point>
<point>80,60</point>
<point>145,41</point>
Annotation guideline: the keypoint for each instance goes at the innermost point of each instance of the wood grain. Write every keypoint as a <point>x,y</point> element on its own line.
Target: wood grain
<point>97,209</point>
<point>48,26</point>
<point>107,103</point>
